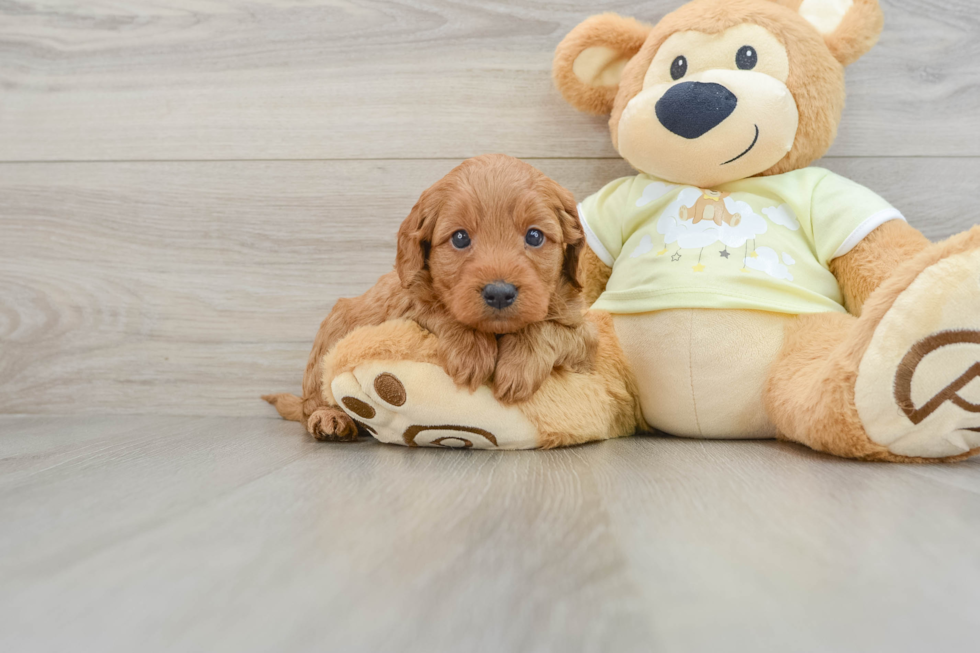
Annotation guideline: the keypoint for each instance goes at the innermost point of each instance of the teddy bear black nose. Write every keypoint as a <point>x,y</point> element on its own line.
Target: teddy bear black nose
<point>499,295</point>
<point>692,109</point>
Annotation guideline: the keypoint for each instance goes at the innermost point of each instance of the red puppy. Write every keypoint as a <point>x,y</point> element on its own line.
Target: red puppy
<point>487,261</point>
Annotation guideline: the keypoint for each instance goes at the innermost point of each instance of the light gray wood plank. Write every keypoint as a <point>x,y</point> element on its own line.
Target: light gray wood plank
<point>240,534</point>
<point>321,553</point>
<point>780,548</point>
<point>192,288</point>
<point>157,467</point>
<point>109,80</point>
<point>962,477</point>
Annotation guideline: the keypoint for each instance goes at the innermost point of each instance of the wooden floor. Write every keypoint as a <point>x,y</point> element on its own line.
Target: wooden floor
<point>187,187</point>
<point>240,534</point>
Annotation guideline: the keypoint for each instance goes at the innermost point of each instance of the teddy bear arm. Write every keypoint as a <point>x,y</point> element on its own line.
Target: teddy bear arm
<point>864,268</point>
<point>593,274</point>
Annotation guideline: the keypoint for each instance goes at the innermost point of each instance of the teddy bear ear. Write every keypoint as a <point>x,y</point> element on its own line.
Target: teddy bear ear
<point>589,62</point>
<point>849,27</point>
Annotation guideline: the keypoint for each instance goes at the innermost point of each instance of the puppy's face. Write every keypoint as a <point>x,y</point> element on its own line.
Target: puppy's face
<point>497,243</point>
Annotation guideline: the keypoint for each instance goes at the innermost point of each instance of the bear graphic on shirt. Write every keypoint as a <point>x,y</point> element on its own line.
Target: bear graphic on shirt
<point>710,206</point>
<point>679,224</point>
<point>699,218</point>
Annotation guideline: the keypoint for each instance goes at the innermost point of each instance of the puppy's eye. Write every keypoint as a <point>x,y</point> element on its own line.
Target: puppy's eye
<point>679,68</point>
<point>746,58</point>
<point>461,239</point>
<point>534,238</point>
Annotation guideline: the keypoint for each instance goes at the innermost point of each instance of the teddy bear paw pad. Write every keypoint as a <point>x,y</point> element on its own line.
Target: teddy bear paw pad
<point>417,405</point>
<point>918,386</point>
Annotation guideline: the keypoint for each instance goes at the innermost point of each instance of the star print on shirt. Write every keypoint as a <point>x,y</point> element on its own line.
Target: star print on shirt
<point>676,257</point>
<point>725,253</point>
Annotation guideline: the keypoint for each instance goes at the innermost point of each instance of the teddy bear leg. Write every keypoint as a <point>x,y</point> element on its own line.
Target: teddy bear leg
<point>809,392</point>
<point>387,378</point>
<point>902,382</point>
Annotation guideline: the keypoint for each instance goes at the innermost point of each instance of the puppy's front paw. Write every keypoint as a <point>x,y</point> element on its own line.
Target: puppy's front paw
<point>470,371</point>
<point>332,424</point>
<point>469,360</point>
<point>520,371</point>
<point>514,383</point>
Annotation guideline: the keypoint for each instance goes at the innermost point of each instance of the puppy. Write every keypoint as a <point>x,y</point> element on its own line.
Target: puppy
<point>487,261</point>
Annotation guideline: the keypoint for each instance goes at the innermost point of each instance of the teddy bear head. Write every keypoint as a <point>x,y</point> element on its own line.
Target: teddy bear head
<point>719,90</point>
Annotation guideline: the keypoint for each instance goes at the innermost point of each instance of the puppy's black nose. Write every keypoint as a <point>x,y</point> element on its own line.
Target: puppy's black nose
<point>692,109</point>
<point>499,295</point>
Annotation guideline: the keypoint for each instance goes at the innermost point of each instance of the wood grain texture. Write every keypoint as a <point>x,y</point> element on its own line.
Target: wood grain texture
<point>192,288</point>
<point>335,79</point>
<point>236,534</point>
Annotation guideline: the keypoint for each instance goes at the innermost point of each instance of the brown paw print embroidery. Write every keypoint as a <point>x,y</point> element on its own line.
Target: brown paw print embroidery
<point>362,410</point>
<point>455,441</point>
<point>949,393</point>
<point>391,391</point>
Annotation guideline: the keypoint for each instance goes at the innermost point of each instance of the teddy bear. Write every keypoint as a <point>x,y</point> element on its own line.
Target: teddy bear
<point>801,306</point>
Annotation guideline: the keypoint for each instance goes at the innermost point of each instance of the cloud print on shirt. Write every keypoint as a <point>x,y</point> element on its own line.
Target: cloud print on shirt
<point>783,215</point>
<point>768,261</point>
<point>645,247</point>
<point>653,192</point>
<point>688,235</point>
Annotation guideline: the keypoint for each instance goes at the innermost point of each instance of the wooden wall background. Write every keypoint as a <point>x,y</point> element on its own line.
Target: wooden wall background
<point>186,187</point>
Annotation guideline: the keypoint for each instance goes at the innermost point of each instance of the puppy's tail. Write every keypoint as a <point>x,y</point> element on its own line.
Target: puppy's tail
<point>289,406</point>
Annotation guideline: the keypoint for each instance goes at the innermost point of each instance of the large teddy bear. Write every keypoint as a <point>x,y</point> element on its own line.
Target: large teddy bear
<point>739,293</point>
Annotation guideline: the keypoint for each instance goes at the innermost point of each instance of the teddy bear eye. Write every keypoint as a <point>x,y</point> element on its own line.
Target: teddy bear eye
<point>746,58</point>
<point>679,68</point>
<point>461,239</point>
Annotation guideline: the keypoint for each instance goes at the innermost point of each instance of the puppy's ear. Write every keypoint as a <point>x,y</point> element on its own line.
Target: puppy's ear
<point>572,235</point>
<point>849,27</point>
<point>414,240</point>
<point>589,61</point>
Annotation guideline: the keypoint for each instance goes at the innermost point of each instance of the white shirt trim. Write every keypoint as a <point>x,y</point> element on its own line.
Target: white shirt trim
<point>594,243</point>
<point>864,229</point>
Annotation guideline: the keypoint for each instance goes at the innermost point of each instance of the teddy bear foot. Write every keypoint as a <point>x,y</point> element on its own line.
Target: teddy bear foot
<point>918,386</point>
<point>417,405</point>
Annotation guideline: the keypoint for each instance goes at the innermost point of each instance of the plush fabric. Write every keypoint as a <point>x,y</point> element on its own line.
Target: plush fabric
<point>701,372</point>
<point>862,269</point>
<point>605,43</point>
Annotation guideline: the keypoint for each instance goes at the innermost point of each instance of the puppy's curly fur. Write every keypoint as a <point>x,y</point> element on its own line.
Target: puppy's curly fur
<point>496,200</point>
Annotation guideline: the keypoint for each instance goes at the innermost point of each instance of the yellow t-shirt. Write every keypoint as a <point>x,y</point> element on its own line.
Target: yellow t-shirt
<point>763,243</point>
